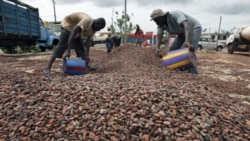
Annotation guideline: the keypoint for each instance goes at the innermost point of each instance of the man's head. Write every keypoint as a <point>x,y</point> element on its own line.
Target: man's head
<point>157,16</point>
<point>98,24</point>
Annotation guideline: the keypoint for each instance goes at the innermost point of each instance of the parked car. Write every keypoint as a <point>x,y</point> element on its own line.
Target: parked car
<point>209,43</point>
<point>99,38</point>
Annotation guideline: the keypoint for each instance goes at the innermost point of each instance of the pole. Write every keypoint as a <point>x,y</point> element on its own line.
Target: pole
<point>125,21</point>
<point>53,1</point>
<point>112,28</point>
<point>218,34</point>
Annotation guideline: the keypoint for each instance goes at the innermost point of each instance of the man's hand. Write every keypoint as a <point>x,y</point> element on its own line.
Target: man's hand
<point>87,59</point>
<point>157,51</point>
<point>189,46</point>
<point>191,49</point>
<point>67,54</point>
<point>186,45</point>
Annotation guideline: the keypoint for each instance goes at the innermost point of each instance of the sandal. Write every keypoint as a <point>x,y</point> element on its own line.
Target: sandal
<point>46,73</point>
<point>91,68</point>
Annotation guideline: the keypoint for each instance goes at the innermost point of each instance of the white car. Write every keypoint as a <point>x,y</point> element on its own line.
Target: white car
<point>209,43</point>
<point>100,38</point>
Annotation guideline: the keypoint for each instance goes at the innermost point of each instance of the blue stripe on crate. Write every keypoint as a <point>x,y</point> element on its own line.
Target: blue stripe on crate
<point>175,60</point>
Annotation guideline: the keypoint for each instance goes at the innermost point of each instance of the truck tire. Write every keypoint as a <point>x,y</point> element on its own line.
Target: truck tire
<point>53,45</point>
<point>43,49</point>
<point>230,49</point>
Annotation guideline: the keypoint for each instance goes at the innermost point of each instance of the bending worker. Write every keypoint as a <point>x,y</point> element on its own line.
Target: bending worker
<point>73,28</point>
<point>187,29</point>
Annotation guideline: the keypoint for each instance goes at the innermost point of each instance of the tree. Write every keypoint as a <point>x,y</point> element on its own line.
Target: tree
<point>119,23</point>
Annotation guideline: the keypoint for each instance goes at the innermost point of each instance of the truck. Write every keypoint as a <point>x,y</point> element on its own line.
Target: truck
<point>20,25</point>
<point>239,40</point>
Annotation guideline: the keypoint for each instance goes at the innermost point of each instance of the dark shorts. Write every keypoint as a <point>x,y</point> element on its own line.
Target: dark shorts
<point>62,46</point>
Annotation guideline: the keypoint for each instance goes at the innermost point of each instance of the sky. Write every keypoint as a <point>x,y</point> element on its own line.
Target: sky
<point>231,13</point>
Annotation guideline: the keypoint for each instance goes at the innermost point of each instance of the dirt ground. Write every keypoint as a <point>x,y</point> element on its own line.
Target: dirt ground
<point>228,68</point>
<point>111,102</point>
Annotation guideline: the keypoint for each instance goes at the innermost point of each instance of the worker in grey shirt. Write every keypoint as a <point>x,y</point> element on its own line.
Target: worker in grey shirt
<point>187,29</point>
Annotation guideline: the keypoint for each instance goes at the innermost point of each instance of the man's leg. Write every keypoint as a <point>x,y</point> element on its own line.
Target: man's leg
<point>79,45</point>
<point>49,65</point>
<point>177,43</point>
<point>79,48</point>
<point>108,45</point>
<point>58,51</point>
<point>195,37</point>
<point>138,43</point>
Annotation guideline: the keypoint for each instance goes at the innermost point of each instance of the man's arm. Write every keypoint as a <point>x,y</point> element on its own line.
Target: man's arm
<point>187,31</point>
<point>159,41</point>
<point>88,44</point>
<point>75,33</point>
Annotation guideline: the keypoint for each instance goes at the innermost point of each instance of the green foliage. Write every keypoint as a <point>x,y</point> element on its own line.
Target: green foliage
<point>119,23</point>
<point>21,50</point>
<point>18,50</point>
<point>5,50</point>
<point>35,49</point>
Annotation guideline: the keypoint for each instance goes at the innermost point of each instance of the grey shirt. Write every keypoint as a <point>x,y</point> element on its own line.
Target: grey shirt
<point>174,20</point>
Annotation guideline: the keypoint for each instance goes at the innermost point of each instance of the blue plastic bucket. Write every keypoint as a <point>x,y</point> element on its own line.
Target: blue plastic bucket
<point>181,59</point>
<point>74,66</point>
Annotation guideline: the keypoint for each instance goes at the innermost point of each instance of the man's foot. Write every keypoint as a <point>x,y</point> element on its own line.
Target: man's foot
<point>89,68</point>
<point>46,72</point>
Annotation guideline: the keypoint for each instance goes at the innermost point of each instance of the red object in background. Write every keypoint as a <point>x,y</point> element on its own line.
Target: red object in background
<point>149,36</point>
<point>145,43</point>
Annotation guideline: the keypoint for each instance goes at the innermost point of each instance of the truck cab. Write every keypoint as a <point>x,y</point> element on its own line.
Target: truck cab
<point>48,39</point>
<point>236,43</point>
